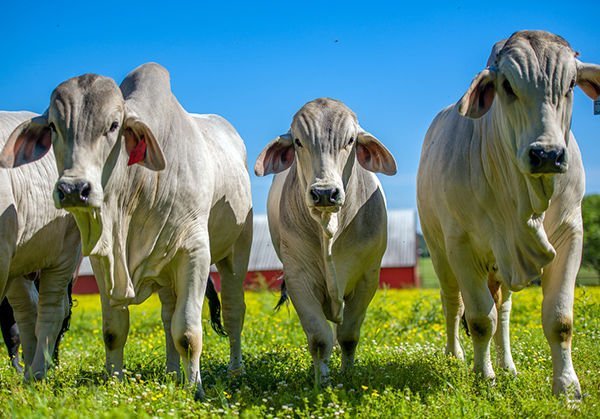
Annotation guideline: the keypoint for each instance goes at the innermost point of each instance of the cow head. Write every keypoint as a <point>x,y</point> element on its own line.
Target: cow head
<point>530,78</point>
<point>88,125</point>
<point>325,140</point>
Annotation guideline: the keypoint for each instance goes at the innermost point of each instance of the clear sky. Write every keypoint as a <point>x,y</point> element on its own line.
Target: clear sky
<point>256,63</point>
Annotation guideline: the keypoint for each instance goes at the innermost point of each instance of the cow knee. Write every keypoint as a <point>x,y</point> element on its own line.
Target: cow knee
<point>110,340</point>
<point>348,346</point>
<point>187,343</point>
<point>481,328</point>
<point>560,330</point>
<point>319,348</point>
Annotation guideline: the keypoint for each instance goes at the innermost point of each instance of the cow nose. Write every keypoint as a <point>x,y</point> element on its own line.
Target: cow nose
<point>325,197</point>
<point>73,194</point>
<point>544,160</point>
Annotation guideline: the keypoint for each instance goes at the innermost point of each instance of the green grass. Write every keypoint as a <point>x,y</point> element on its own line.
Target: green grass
<point>429,279</point>
<point>401,370</point>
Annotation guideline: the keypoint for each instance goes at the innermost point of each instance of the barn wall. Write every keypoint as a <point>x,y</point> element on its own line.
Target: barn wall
<point>405,277</point>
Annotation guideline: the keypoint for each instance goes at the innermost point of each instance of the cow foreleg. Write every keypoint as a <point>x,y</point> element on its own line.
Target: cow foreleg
<point>452,304</point>
<point>186,325</point>
<point>480,309</point>
<point>115,328</point>
<point>315,325</point>
<point>23,297</point>
<point>558,285</point>
<point>167,299</point>
<point>355,308</point>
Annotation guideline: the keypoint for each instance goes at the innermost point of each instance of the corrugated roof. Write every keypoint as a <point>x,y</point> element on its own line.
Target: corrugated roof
<point>401,246</point>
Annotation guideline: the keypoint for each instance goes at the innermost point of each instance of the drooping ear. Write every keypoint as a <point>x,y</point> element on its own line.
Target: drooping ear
<point>373,156</point>
<point>588,78</point>
<point>479,97</point>
<point>30,141</point>
<point>276,157</point>
<point>141,145</point>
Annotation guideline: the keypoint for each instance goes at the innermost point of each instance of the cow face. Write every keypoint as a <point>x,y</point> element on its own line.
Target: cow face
<point>87,125</point>
<point>325,140</point>
<point>531,77</point>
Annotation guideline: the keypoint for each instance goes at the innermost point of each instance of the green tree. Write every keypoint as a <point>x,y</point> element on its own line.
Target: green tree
<point>591,232</point>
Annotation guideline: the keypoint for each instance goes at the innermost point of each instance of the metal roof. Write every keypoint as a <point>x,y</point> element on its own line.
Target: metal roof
<point>401,246</point>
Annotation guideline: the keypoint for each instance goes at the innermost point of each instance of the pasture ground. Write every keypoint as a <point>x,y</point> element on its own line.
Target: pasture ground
<point>401,369</point>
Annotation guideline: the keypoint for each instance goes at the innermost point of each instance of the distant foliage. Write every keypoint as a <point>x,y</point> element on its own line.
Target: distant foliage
<point>591,232</point>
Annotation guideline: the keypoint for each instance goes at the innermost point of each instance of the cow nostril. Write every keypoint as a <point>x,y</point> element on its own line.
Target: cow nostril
<point>335,194</point>
<point>85,191</point>
<point>315,196</point>
<point>535,158</point>
<point>61,194</point>
<point>560,159</point>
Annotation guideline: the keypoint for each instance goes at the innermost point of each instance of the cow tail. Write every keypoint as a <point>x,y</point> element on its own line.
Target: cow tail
<point>284,295</point>
<point>465,324</point>
<point>214,306</point>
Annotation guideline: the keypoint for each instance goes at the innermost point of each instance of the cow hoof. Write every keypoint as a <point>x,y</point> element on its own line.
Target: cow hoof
<point>569,386</point>
<point>199,395</point>
<point>18,368</point>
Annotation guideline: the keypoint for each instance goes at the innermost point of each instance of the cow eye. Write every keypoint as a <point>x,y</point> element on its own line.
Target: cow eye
<point>351,141</point>
<point>52,127</point>
<point>113,126</point>
<point>571,86</point>
<point>298,143</point>
<point>508,89</point>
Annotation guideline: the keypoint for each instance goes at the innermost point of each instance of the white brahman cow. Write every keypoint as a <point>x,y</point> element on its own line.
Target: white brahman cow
<point>35,236</point>
<point>328,222</point>
<point>499,190</point>
<point>149,230</point>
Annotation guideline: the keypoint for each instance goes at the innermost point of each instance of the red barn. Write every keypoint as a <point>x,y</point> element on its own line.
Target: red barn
<point>398,270</point>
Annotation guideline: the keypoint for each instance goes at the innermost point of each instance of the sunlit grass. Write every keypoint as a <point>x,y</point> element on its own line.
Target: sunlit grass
<point>401,369</point>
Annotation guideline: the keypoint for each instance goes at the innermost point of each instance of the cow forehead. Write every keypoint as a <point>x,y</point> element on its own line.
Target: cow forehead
<point>89,97</point>
<point>324,121</point>
<point>536,57</point>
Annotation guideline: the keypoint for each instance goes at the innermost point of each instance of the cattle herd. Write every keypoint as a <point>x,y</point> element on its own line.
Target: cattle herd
<point>154,195</point>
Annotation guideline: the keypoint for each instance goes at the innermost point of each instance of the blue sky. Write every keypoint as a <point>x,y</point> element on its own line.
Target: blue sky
<point>257,63</point>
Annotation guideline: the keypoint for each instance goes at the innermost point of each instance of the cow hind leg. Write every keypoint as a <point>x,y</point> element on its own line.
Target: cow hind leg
<point>503,298</point>
<point>233,270</point>
<point>10,333</point>
<point>168,299</point>
<point>23,297</point>
<point>355,308</point>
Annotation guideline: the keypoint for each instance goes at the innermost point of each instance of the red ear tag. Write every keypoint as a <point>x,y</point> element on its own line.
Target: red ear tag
<point>138,153</point>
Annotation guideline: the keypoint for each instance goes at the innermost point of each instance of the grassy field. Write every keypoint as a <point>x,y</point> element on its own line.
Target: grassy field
<point>401,369</point>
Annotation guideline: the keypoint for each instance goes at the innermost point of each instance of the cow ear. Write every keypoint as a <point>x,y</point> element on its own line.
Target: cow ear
<point>479,97</point>
<point>141,145</point>
<point>588,78</point>
<point>373,156</point>
<point>30,141</point>
<point>276,157</point>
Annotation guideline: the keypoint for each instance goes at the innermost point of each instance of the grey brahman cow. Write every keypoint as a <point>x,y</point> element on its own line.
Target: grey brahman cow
<point>500,184</point>
<point>152,228</point>
<point>328,222</point>
<point>34,236</point>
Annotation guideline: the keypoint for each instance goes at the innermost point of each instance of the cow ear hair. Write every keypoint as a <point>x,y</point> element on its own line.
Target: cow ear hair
<point>588,78</point>
<point>29,141</point>
<point>276,157</point>
<point>141,144</point>
<point>373,155</point>
<point>479,96</point>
